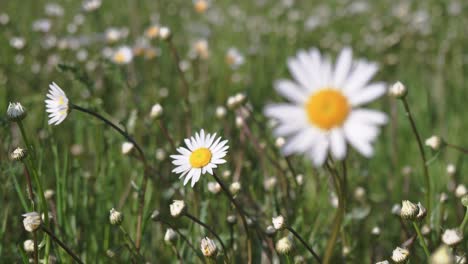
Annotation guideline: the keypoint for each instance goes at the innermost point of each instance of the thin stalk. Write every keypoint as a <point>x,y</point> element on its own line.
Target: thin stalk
<point>423,155</point>
<point>304,243</point>
<point>421,240</point>
<point>166,133</point>
<point>141,201</point>
<point>338,217</point>
<point>465,221</point>
<point>461,149</point>
<point>131,244</point>
<point>61,244</point>
<point>176,252</point>
<point>196,220</point>
<point>36,249</point>
<point>242,214</point>
<point>30,189</point>
<point>25,138</point>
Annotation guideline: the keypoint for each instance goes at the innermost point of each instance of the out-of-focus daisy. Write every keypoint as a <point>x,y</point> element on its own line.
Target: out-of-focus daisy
<point>152,31</point>
<point>200,5</point>
<point>234,58</point>
<point>326,106</point>
<point>57,104</point>
<point>202,155</point>
<point>200,49</point>
<point>91,5</point>
<point>122,55</point>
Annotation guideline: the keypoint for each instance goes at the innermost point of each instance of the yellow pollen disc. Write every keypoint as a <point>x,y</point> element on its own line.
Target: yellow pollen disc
<point>200,157</point>
<point>119,57</point>
<point>201,6</point>
<point>327,108</point>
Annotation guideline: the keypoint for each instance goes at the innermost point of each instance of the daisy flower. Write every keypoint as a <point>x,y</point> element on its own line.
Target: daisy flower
<point>122,55</point>
<point>57,104</point>
<point>325,110</point>
<point>202,155</point>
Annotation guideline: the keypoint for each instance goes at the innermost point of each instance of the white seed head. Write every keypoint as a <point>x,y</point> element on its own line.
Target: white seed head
<point>231,219</point>
<point>115,217</point>
<point>18,154</point>
<point>398,90</point>
<point>409,210</point>
<point>208,247</point>
<point>164,33</point>
<point>126,147</point>
<point>376,231</point>
<point>28,246</point>
<point>284,245</point>
<point>156,111</point>
<point>16,112</point>
<point>434,142</point>
<point>400,255</point>
<point>451,169</point>
<point>214,187</point>
<point>235,187</point>
<point>220,112</point>
<point>443,255</point>
<point>452,237</point>
<point>278,222</point>
<point>170,236</point>
<point>160,154</point>
<point>460,191</point>
<point>31,221</point>
<point>177,208</point>
<point>279,142</point>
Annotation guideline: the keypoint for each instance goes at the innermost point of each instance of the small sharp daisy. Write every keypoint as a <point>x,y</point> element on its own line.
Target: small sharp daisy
<point>325,110</point>
<point>56,105</point>
<point>202,155</point>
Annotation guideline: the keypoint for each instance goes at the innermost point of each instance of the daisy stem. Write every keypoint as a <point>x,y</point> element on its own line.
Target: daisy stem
<point>196,220</point>
<point>143,159</point>
<point>176,252</point>
<point>304,243</point>
<point>338,217</point>
<point>61,244</point>
<point>421,240</point>
<point>465,220</point>
<point>166,134</point>
<point>423,155</point>
<point>36,249</point>
<point>25,138</point>
<point>461,149</point>
<point>186,92</point>
<point>29,185</point>
<point>131,244</point>
<point>242,214</point>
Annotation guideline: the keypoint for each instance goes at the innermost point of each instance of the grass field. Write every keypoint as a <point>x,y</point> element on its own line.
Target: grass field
<point>214,52</point>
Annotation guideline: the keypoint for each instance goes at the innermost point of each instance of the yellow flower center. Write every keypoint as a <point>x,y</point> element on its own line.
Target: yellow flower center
<point>152,32</point>
<point>201,6</point>
<point>119,57</point>
<point>200,157</point>
<point>327,108</point>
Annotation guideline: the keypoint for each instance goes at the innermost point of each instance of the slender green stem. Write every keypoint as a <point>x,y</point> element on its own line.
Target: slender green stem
<point>465,221</point>
<point>36,249</point>
<point>141,201</point>
<point>304,243</point>
<point>241,213</point>
<point>29,147</point>
<point>131,244</point>
<point>461,149</point>
<point>176,252</point>
<point>61,244</point>
<point>423,156</point>
<point>196,220</point>
<point>421,240</point>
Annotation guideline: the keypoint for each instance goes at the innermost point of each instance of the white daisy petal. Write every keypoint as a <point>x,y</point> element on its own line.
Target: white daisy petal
<point>56,104</point>
<point>319,152</point>
<point>196,177</point>
<point>338,144</point>
<point>297,72</point>
<point>369,116</point>
<point>290,91</point>
<point>284,111</point>
<point>362,73</point>
<point>368,94</point>
<point>342,67</point>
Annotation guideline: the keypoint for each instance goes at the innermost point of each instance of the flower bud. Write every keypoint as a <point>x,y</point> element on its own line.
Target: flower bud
<point>170,236</point>
<point>434,142</point>
<point>464,200</point>
<point>164,33</point>
<point>409,210</point>
<point>460,191</point>
<point>16,112</point>
<point>234,188</point>
<point>28,246</point>
<point>18,154</point>
<point>214,187</point>
<point>270,231</point>
<point>156,111</point>
<point>126,147</point>
<point>155,215</point>
<point>278,222</point>
<point>376,231</point>
<point>231,219</point>
<point>208,247</point>
<point>452,237</point>
<point>32,221</point>
<point>177,208</point>
<point>284,245</point>
<point>400,255</point>
<point>442,255</point>
<point>398,90</point>
<point>115,217</point>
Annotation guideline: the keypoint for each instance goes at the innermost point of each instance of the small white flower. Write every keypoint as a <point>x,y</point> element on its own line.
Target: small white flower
<point>409,210</point>
<point>31,221</point>
<point>57,104</point>
<point>284,245</point>
<point>91,5</point>
<point>202,155</point>
<point>375,231</point>
<point>398,90</point>
<point>214,187</point>
<point>156,111</point>
<point>18,154</point>
<point>16,112</point>
<point>28,246</point>
<point>234,58</point>
<point>115,217</point>
<point>452,237</point>
<point>170,236</point>
<point>208,247</point>
<point>177,208</point>
<point>235,187</point>
<point>127,147</point>
<point>164,33</point>
<point>451,169</point>
<point>460,191</point>
<point>278,222</point>
<point>434,142</point>
<point>152,31</point>
<point>326,110</point>
<point>160,154</point>
<point>400,255</point>
<point>123,55</point>
<point>220,112</point>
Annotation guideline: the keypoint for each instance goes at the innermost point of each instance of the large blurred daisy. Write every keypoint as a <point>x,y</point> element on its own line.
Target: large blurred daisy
<point>325,110</point>
<point>202,155</point>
